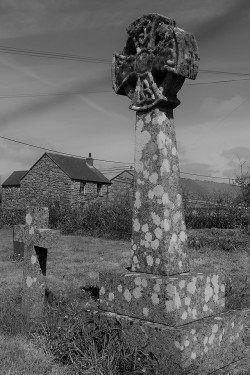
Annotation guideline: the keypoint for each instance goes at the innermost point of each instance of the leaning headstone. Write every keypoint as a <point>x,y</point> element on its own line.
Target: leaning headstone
<point>42,221</point>
<point>163,309</point>
<point>36,240</point>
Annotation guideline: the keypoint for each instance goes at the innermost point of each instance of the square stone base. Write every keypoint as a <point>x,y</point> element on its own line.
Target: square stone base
<point>241,367</point>
<point>197,348</point>
<point>171,300</point>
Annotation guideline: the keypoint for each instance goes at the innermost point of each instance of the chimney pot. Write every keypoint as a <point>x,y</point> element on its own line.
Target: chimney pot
<point>89,160</point>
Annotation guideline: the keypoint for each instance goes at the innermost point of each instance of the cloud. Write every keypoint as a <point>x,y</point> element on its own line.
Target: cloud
<point>223,19</point>
<point>16,157</point>
<point>239,153</point>
<point>238,161</point>
<point>212,107</point>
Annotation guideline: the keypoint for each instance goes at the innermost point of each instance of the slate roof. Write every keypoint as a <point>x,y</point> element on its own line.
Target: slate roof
<point>77,168</point>
<point>14,179</point>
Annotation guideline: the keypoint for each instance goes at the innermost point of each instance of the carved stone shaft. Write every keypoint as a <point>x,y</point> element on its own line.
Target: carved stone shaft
<point>159,231</point>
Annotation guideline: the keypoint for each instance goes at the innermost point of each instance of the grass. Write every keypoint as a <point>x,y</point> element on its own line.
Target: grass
<point>62,344</point>
<point>20,356</point>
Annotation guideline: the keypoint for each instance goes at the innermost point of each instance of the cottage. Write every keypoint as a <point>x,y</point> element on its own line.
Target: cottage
<point>54,178</point>
<point>11,190</point>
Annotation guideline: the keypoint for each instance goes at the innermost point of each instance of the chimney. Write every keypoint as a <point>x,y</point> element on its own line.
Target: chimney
<point>89,160</point>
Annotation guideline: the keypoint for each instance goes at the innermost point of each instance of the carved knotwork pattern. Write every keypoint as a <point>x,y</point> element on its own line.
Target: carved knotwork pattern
<point>152,67</point>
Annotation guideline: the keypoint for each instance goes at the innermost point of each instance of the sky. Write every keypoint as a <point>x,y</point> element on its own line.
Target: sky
<point>212,121</point>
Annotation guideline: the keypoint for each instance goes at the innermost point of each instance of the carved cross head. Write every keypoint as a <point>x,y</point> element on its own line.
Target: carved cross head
<point>152,67</point>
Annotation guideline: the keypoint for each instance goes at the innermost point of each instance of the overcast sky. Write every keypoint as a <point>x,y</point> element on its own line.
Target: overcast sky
<point>212,121</point>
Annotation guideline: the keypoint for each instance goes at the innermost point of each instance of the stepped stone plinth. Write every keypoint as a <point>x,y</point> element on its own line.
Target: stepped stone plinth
<point>241,367</point>
<point>199,347</point>
<point>170,300</point>
<point>162,308</point>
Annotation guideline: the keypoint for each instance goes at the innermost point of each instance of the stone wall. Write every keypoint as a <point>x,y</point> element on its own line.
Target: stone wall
<point>10,197</point>
<point>79,196</point>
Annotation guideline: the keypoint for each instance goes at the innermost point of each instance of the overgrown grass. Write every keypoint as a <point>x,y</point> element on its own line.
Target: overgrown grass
<point>70,339</point>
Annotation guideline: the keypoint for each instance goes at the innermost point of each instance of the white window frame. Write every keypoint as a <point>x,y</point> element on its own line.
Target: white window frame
<point>83,187</point>
<point>99,189</point>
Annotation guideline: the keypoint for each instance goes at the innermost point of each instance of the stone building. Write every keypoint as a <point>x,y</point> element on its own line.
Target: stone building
<point>54,178</point>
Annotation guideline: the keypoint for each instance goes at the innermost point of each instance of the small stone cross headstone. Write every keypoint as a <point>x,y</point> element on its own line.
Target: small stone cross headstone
<point>36,239</point>
<point>162,307</point>
<point>41,218</point>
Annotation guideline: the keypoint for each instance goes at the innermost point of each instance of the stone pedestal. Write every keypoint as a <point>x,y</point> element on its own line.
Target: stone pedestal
<point>178,316</point>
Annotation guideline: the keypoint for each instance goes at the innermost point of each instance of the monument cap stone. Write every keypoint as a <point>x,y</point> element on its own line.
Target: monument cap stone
<point>157,58</point>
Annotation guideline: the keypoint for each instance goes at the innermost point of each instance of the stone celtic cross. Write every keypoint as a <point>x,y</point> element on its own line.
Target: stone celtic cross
<point>176,315</point>
<point>151,69</point>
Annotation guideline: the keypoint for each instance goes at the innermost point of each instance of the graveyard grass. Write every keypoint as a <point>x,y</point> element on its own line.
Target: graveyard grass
<point>72,271</point>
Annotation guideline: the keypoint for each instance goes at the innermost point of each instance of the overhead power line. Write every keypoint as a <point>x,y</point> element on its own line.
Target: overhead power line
<point>75,57</point>
<point>34,95</point>
<point>53,55</point>
<point>220,81</point>
<point>108,170</point>
<point>38,94</point>
<point>59,152</point>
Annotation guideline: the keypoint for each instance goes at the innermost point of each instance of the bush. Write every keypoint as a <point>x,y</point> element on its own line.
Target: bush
<point>9,218</point>
<point>222,239</point>
<point>110,219</point>
<point>224,212</point>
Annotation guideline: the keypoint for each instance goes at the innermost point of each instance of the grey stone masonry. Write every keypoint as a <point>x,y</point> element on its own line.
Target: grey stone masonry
<point>36,241</point>
<point>45,183</point>
<point>165,310</point>
<point>159,232</point>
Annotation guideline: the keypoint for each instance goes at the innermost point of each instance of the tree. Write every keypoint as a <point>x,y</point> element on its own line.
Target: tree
<point>242,180</point>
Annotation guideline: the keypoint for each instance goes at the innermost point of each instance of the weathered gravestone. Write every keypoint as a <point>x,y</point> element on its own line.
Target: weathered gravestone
<point>41,218</point>
<point>36,239</point>
<point>177,315</point>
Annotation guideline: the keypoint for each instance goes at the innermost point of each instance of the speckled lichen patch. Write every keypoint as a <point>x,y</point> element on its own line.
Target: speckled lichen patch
<point>159,232</point>
<point>163,299</point>
<point>199,347</point>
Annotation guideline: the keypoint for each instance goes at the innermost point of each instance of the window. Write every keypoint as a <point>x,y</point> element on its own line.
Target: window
<point>99,189</point>
<point>83,187</point>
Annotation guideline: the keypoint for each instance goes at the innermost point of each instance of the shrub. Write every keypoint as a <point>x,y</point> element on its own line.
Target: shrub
<point>9,218</point>
<point>110,219</point>
<point>223,239</point>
